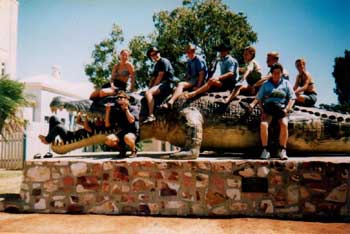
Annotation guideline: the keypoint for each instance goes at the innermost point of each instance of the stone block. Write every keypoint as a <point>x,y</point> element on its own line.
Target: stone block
<point>338,194</point>
<point>38,174</point>
<point>107,207</point>
<point>263,171</point>
<point>247,172</point>
<point>142,185</point>
<point>40,204</point>
<point>235,182</point>
<point>79,169</point>
<point>202,180</point>
<point>213,198</point>
<point>234,194</point>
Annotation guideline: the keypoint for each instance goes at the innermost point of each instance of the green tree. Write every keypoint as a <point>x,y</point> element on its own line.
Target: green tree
<point>204,23</point>
<point>341,76</point>
<point>104,56</point>
<point>12,99</point>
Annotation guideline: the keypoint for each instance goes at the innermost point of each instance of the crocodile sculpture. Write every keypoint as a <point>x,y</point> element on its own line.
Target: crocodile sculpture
<point>206,123</point>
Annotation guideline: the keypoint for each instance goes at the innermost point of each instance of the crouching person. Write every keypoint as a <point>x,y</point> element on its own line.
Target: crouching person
<point>276,98</point>
<point>126,117</point>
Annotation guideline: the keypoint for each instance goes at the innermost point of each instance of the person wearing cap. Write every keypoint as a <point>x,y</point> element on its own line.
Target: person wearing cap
<point>161,83</point>
<point>250,73</point>
<point>196,73</point>
<point>126,117</point>
<point>276,98</point>
<point>228,73</point>
<point>122,72</point>
<point>304,86</point>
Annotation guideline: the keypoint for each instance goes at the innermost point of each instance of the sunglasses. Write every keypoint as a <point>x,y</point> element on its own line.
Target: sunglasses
<point>153,54</point>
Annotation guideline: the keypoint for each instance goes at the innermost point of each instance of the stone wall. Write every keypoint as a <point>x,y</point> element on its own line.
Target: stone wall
<point>203,187</point>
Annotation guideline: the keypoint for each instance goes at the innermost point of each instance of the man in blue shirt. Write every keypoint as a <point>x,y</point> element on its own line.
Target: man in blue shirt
<point>196,74</point>
<point>228,74</point>
<point>276,98</point>
<point>161,83</point>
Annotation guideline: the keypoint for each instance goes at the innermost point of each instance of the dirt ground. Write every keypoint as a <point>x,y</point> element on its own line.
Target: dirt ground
<point>84,224</point>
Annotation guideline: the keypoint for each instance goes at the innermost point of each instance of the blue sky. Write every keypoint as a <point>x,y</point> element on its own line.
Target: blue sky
<point>63,32</point>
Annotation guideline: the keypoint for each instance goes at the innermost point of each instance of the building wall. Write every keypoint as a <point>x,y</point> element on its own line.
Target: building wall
<point>8,37</point>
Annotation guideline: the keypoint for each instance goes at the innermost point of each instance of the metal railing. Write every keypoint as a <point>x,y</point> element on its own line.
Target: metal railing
<point>12,150</point>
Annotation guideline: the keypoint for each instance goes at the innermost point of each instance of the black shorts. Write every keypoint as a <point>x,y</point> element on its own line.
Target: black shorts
<point>165,88</point>
<point>310,99</point>
<point>121,135</point>
<point>120,85</point>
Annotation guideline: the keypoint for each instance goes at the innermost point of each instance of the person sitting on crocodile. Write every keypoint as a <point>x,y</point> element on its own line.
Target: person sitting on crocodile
<point>126,117</point>
<point>304,86</point>
<point>250,73</point>
<point>228,74</point>
<point>271,59</point>
<point>121,73</point>
<point>276,98</point>
<point>162,82</point>
<point>196,74</point>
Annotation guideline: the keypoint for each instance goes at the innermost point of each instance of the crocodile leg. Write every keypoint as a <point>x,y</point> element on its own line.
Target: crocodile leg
<point>192,122</point>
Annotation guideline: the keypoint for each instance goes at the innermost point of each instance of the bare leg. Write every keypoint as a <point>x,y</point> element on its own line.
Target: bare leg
<point>106,92</point>
<point>150,99</point>
<point>43,140</point>
<point>204,88</point>
<point>283,131</point>
<point>178,91</point>
<point>264,129</point>
<point>95,94</point>
<point>234,94</point>
<point>130,139</point>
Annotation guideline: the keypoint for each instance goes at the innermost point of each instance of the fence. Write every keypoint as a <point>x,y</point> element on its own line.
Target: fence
<point>12,150</point>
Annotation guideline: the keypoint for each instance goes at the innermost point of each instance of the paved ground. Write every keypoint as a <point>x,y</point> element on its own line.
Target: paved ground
<point>84,224</point>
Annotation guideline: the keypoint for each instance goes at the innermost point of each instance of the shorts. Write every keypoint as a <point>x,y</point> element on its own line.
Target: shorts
<point>121,135</point>
<point>165,88</point>
<point>241,83</point>
<point>120,85</point>
<point>310,99</point>
<point>192,81</point>
<point>227,84</point>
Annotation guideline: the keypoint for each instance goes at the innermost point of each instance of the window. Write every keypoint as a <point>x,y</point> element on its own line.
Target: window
<point>3,69</point>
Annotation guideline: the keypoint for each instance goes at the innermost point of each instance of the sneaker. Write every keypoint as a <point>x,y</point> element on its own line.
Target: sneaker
<point>265,154</point>
<point>149,119</point>
<point>283,154</point>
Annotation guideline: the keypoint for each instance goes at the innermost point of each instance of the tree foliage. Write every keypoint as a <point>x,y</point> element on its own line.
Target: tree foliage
<point>104,56</point>
<point>204,23</point>
<point>341,76</point>
<point>12,99</point>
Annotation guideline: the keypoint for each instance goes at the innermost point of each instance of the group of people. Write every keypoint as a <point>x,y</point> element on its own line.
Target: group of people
<point>274,93</point>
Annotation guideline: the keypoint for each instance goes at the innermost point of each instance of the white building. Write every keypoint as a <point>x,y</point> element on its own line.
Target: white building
<point>8,37</point>
<point>41,89</point>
